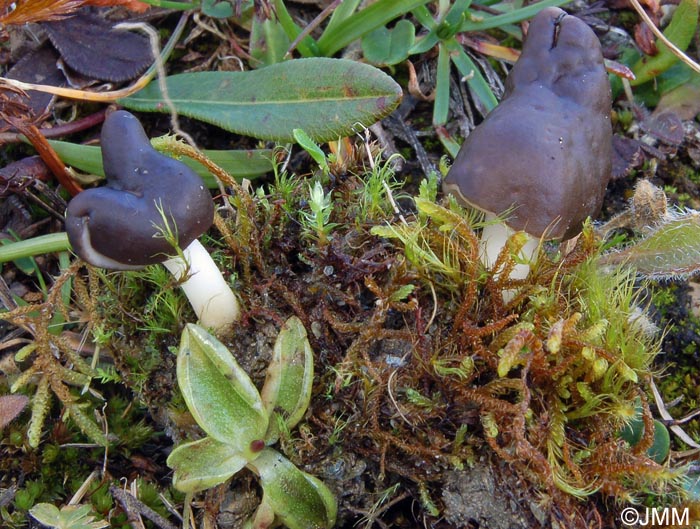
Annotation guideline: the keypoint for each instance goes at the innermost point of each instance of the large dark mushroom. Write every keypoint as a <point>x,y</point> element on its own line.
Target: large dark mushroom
<point>543,156</point>
<point>123,225</point>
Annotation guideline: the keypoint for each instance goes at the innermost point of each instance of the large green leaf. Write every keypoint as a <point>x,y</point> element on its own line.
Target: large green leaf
<point>203,464</point>
<point>238,163</point>
<point>218,392</point>
<point>327,98</point>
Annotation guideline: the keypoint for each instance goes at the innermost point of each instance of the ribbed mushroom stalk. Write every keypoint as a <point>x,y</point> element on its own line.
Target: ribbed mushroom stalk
<point>543,156</point>
<point>121,225</point>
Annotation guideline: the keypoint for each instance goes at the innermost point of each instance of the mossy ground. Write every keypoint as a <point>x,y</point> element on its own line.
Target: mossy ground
<point>435,404</point>
<point>424,375</point>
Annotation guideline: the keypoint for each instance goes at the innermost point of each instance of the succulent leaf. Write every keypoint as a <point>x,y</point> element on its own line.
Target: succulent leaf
<point>300,501</point>
<point>287,388</point>
<point>203,464</point>
<point>218,392</point>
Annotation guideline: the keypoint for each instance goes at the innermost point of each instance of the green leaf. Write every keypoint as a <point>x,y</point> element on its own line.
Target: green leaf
<point>299,500</point>
<point>311,147</point>
<point>385,46</point>
<point>238,163</point>
<point>325,97</point>
<point>345,10</point>
<point>658,451</point>
<point>402,292</point>
<point>483,21</point>
<point>307,46</point>
<point>218,393</point>
<point>442,87</point>
<point>52,242</point>
<point>680,32</point>
<point>368,19</point>
<point>268,41</point>
<point>204,464</point>
<point>633,431</point>
<point>217,9</point>
<point>478,85</point>
<point>439,30</point>
<point>290,375</point>
<point>68,517</point>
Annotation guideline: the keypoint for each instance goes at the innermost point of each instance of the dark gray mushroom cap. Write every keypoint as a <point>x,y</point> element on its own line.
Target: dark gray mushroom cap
<point>545,153</point>
<point>119,226</point>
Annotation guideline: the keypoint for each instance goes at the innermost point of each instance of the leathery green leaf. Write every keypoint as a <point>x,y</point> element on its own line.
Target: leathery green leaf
<point>287,388</point>
<point>203,464</point>
<point>299,500</point>
<point>327,98</point>
<point>218,392</point>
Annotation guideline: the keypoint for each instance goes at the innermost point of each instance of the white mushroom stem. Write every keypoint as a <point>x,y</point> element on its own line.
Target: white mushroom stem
<point>211,298</point>
<point>494,237</point>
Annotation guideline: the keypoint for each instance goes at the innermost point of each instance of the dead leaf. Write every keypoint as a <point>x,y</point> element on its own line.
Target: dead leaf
<point>10,407</point>
<point>92,47</point>
<point>684,101</point>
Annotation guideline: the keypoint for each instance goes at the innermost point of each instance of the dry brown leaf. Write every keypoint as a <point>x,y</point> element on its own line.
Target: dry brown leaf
<point>10,407</point>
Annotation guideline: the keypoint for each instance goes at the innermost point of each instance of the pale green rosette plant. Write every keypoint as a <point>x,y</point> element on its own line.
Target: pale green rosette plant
<point>241,424</point>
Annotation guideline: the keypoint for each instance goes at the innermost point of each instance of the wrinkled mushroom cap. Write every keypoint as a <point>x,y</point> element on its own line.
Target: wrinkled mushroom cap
<point>543,156</point>
<point>119,226</point>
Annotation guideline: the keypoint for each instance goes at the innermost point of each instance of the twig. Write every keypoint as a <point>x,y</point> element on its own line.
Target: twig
<point>666,416</point>
<point>133,506</point>
<point>60,130</point>
<point>47,154</point>
<point>656,31</point>
<point>83,489</point>
<point>160,70</point>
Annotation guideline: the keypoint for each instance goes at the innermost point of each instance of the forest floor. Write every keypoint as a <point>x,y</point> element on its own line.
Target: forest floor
<point>414,420</point>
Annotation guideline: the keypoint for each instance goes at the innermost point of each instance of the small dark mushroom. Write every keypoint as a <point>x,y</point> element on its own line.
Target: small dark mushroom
<point>543,156</point>
<point>121,226</point>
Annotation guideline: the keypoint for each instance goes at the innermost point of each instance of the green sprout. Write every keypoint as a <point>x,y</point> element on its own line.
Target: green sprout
<point>241,424</point>
<point>316,223</point>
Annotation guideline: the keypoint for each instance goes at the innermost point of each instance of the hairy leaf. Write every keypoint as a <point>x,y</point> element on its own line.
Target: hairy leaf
<point>670,251</point>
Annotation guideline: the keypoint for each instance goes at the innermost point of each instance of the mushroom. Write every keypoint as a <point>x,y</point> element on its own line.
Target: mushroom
<point>543,156</point>
<point>122,225</point>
